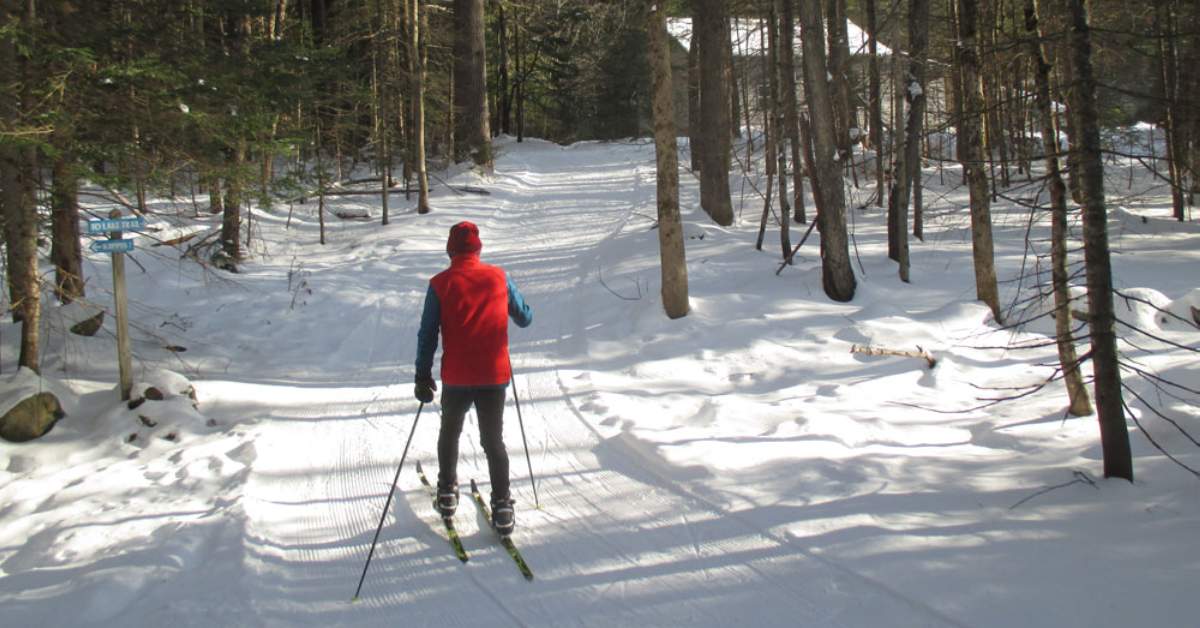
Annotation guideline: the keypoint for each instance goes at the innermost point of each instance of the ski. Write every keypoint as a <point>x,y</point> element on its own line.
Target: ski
<point>506,541</point>
<point>451,531</point>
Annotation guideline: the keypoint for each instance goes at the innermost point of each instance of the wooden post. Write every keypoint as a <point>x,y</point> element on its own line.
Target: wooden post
<point>124,359</point>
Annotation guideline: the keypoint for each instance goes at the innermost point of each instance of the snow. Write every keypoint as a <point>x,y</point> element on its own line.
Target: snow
<point>739,463</point>
<point>748,37</point>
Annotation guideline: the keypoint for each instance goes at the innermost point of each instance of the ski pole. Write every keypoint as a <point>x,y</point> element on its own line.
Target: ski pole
<point>389,502</point>
<point>521,422</point>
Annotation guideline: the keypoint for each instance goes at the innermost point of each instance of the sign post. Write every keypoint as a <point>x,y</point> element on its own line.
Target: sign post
<point>118,246</point>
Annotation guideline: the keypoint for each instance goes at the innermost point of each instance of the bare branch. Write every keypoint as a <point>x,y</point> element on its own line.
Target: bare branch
<point>1080,478</point>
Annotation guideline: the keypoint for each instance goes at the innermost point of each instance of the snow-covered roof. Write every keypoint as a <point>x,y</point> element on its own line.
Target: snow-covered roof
<point>748,37</point>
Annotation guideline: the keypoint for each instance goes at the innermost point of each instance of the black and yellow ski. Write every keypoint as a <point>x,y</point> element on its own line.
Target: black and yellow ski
<point>451,531</point>
<point>505,540</point>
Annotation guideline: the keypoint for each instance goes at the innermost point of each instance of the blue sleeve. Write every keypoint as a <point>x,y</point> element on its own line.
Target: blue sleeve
<point>427,335</point>
<point>518,309</point>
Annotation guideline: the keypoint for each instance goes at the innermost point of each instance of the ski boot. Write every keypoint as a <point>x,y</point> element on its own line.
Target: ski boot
<point>447,501</point>
<point>503,517</point>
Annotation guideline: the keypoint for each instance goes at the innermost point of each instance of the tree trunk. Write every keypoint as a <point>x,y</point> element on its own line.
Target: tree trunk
<point>779,106</point>
<point>838,56</point>
<point>670,228</point>
<point>383,103</point>
<point>837,275</point>
<point>735,113</point>
<point>895,231</point>
<point>766,30</point>
<point>320,18</point>
<point>65,250</point>
<point>519,89</point>
<point>1080,403</point>
<point>18,185</point>
<point>875,104</point>
<point>908,163</point>
<point>709,26</point>
<point>1081,99</point>
<point>695,137</point>
<point>417,69</point>
<point>231,223</point>
<point>472,135</point>
<point>1168,72</point>
<point>787,35</point>
<point>502,101</point>
<point>970,127</point>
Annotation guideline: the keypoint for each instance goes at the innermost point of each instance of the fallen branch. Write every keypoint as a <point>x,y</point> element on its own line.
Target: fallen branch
<point>919,353</point>
<point>193,250</point>
<point>788,259</point>
<point>180,240</point>
<point>1080,478</point>
<point>333,192</point>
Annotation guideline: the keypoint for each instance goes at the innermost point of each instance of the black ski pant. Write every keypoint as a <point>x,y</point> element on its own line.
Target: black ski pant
<point>489,408</point>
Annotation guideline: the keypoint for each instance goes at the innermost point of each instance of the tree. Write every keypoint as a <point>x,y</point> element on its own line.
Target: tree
<point>1081,105</point>
<point>695,137</point>
<point>838,57</point>
<point>416,65</point>
<point>837,275</point>
<point>472,134</point>
<point>1080,404</point>
<point>874,100</point>
<point>908,159</point>
<point>18,175</point>
<point>709,27</point>
<point>974,162</point>
<point>787,70</point>
<point>670,229</point>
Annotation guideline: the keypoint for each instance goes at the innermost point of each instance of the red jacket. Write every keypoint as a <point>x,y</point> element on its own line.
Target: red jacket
<point>470,302</point>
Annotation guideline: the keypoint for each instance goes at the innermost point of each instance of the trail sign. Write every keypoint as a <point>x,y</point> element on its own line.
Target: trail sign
<point>111,246</point>
<point>126,223</point>
<point>113,226</point>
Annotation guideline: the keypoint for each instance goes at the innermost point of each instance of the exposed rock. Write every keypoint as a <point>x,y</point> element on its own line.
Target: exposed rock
<point>222,260</point>
<point>154,394</point>
<point>88,326</point>
<point>31,418</point>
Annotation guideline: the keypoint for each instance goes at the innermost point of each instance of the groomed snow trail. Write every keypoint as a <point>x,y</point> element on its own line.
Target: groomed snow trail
<point>623,537</point>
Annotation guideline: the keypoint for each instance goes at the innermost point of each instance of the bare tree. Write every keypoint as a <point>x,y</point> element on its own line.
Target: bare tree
<point>1081,105</point>
<point>974,162</point>
<point>710,30</point>
<point>908,160</point>
<point>874,101</point>
<point>670,229</point>
<point>472,134</point>
<point>838,57</point>
<point>416,66</point>
<point>787,71</point>
<point>837,275</point>
<point>695,137</point>
<point>1080,403</point>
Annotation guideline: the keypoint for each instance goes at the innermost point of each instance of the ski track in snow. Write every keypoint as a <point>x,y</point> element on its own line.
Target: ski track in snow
<point>605,545</point>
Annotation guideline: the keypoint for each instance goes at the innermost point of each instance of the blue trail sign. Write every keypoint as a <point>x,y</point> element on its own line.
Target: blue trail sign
<point>125,223</point>
<point>111,246</point>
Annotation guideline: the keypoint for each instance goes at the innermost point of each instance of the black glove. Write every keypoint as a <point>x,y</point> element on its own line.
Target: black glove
<point>424,389</point>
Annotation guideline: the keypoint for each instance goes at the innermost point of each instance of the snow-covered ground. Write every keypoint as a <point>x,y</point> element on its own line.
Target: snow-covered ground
<point>737,466</point>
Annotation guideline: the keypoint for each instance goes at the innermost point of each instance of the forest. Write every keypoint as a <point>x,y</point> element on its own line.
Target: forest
<point>235,102</point>
<point>1004,125</point>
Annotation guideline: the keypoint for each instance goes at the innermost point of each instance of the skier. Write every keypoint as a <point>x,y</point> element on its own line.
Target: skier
<point>470,303</point>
